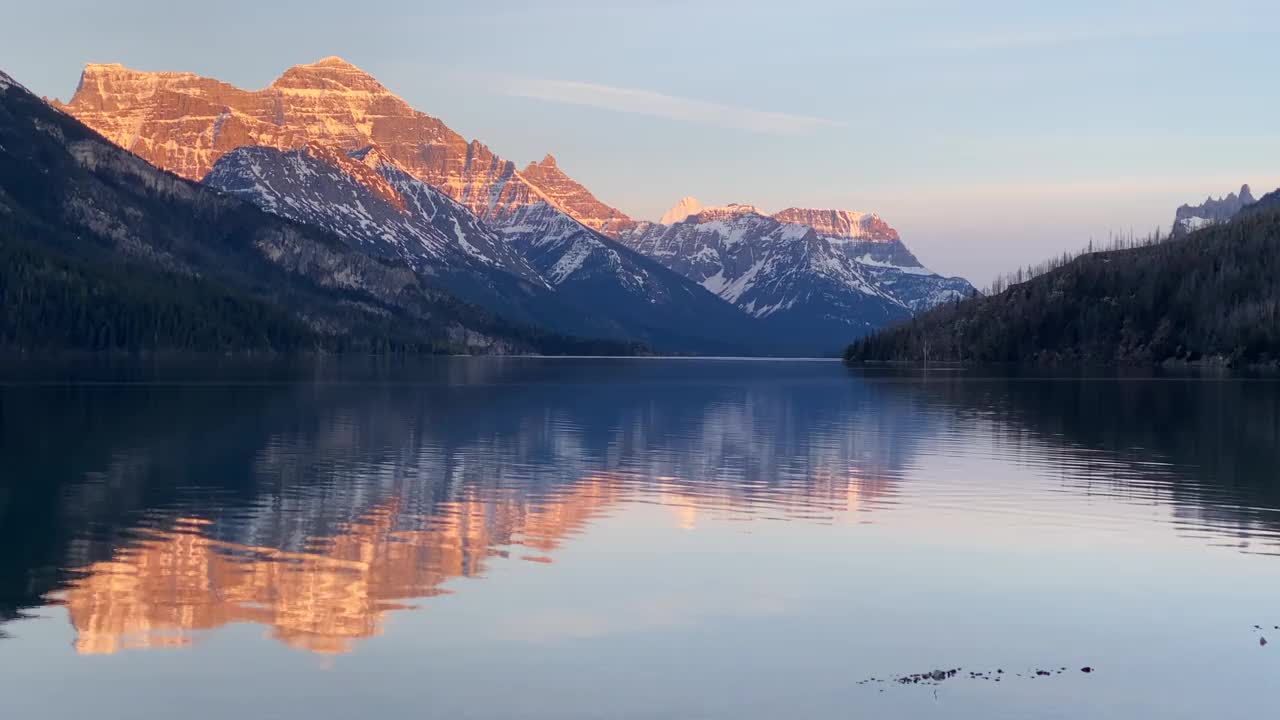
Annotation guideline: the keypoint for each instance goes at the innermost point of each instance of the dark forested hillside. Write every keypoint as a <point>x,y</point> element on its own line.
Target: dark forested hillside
<point>1212,296</point>
<point>54,301</point>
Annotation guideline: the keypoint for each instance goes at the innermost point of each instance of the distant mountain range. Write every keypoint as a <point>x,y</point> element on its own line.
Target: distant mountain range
<point>525,253</point>
<point>327,146</point>
<point>800,272</point>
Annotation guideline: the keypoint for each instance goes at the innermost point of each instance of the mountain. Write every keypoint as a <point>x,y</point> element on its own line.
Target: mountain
<point>1211,296</point>
<point>104,251</point>
<point>565,193</point>
<point>579,282</point>
<point>809,275</point>
<point>817,273</point>
<point>665,308</point>
<point>395,217</point>
<point>404,218</point>
<point>1190,218</point>
<point>687,206</point>
<point>883,257</point>
<point>190,124</point>
<point>184,123</point>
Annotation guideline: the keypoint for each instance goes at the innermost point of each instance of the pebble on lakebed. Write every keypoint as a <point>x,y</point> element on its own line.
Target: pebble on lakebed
<point>937,677</point>
<point>1262,639</point>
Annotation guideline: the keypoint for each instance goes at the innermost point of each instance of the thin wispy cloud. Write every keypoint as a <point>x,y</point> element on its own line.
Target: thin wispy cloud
<point>655,104</point>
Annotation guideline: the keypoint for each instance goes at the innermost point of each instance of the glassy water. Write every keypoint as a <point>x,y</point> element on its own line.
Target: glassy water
<point>523,538</point>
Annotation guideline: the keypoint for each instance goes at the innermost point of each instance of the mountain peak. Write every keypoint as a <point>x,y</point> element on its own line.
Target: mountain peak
<point>334,61</point>
<point>569,196</point>
<point>331,74</point>
<point>841,224</point>
<point>166,118</point>
<point>725,212</point>
<point>682,210</point>
<point>1189,218</point>
<point>94,68</point>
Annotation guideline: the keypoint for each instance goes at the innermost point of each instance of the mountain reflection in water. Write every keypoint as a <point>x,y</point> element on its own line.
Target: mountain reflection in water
<point>316,508</point>
<point>314,501</point>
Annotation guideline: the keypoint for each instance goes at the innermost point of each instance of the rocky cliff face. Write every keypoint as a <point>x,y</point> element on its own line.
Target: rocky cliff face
<point>570,196</point>
<point>839,225</point>
<point>184,123</point>
<point>1190,218</point>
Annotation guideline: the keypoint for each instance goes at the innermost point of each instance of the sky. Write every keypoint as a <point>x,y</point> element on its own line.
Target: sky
<point>990,134</point>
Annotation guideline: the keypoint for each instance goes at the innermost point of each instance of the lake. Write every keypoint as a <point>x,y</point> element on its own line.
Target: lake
<point>634,538</point>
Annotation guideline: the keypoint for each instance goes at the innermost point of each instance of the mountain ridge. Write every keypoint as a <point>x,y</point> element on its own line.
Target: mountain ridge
<point>1210,296</point>
<point>849,280</point>
<point>184,122</point>
<point>1189,218</point>
<point>188,123</point>
<point>572,290</point>
<point>81,213</point>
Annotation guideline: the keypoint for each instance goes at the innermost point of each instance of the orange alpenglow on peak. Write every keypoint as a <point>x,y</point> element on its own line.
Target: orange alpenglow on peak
<point>841,224</point>
<point>184,123</point>
<point>178,582</point>
<point>333,60</point>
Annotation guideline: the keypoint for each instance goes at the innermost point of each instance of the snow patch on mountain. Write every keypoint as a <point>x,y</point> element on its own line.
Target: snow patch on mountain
<point>1190,218</point>
<point>687,206</point>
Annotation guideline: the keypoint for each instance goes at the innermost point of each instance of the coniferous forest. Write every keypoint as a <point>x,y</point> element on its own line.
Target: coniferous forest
<point>54,301</point>
<point>1212,296</point>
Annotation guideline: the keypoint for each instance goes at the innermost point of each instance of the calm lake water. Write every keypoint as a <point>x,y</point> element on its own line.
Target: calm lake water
<point>524,538</point>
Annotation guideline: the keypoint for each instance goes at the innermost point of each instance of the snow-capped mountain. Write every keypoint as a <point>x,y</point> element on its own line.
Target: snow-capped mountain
<point>542,266</point>
<point>336,148</point>
<point>120,224</point>
<point>687,206</point>
<point>885,260</point>
<point>380,209</point>
<point>816,272</point>
<point>183,123</point>
<point>1190,218</point>
<point>567,194</point>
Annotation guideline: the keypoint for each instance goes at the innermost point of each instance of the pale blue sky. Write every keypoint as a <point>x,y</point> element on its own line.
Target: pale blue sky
<point>991,134</point>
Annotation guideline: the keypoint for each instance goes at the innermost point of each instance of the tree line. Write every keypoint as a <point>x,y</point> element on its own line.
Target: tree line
<point>1211,296</point>
<point>53,301</point>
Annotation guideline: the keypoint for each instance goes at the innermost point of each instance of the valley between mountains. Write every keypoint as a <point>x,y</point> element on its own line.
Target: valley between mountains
<point>353,220</point>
